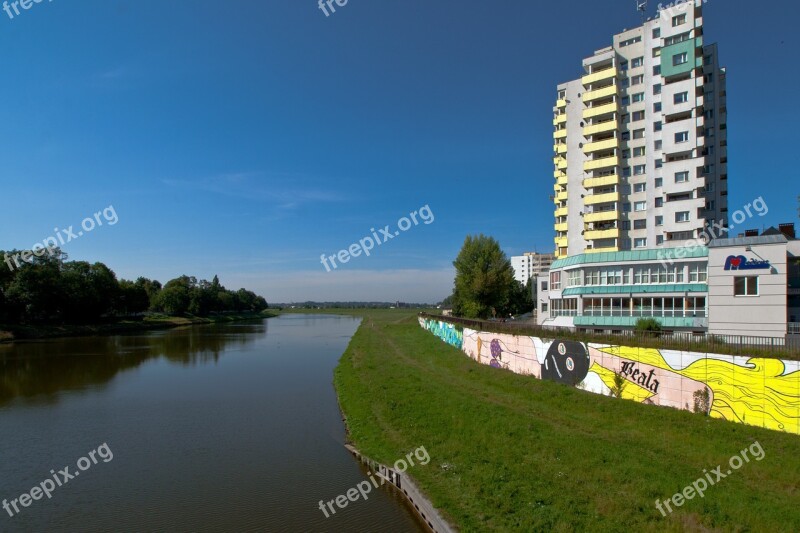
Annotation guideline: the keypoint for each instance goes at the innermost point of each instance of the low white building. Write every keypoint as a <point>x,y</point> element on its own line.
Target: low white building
<point>531,265</point>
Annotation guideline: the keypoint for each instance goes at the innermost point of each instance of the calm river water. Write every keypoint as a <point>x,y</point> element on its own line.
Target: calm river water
<point>211,428</point>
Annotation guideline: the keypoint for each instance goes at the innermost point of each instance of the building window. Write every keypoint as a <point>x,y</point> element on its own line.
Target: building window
<point>659,145</point>
<point>544,286</point>
<point>657,70</point>
<point>555,280</point>
<point>638,134</point>
<point>659,220</point>
<point>679,20</point>
<point>639,151</point>
<point>658,126</point>
<point>659,182</point>
<point>638,115</point>
<point>574,278</point>
<point>639,170</point>
<point>682,216</point>
<point>680,59</point>
<point>626,225</point>
<point>637,80</point>
<point>682,137</point>
<point>659,163</point>
<point>698,273</point>
<point>638,97</point>
<point>657,107</point>
<point>626,172</point>
<point>640,224</point>
<point>640,206</point>
<point>681,98</point>
<point>656,33</point>
<point>657,88</point>
<point>626,154</point>
<point>682,177</point>
<point>710,205</point>
<point>659,240</point>
<point>659,202</point>
<point>637,62</point>
<point>544,307</point>
<point>639,187</point>
<point>626,207</point>
<point>626,136</point>
<point>709,187</point>
<point>745,286</point>
<point>640,243</point>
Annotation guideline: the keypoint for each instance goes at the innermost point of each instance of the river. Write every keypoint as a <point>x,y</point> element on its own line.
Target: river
<point>231,427</point>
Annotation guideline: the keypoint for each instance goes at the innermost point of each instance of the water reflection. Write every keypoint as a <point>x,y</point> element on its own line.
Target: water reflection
<point>39,371</point>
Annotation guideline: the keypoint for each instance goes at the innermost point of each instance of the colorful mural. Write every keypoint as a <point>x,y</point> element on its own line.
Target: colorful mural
<point>444,330</point>
<point>755,391</point>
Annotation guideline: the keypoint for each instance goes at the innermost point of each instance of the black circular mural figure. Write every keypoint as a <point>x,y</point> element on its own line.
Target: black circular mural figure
<point>566,362</point>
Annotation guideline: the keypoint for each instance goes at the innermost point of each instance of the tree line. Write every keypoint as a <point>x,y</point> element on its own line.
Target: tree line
<point>50,289</point>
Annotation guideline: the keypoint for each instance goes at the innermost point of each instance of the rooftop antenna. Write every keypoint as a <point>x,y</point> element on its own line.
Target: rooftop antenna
<point>641,6</point>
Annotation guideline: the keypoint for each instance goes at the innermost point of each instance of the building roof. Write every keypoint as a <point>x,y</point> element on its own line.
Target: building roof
<point>749,241</point>
<point>632,255</point>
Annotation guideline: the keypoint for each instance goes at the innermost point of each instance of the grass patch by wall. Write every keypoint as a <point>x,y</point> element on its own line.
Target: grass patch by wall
<point>513,453</point>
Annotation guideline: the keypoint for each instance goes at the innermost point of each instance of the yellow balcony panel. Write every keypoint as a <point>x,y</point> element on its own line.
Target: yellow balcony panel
<point>561,227</point>
<point>561,212</point>
<point>597,164</point>
<point>557,187</point>
<point>561,241</point>
<point>610,125</point>
<point>601,182</point>
<point>562,180</point>
<point>599,250</point>
<point>601,234</point>
<point>561,103</point>
<point>562,164</point>
<point>560,119</point>
<point>605,92</point>
<point>561,196</point>
<point>599,76</point>
<point>608,144</point>
<point>604,216</point>
<point>593,199</point>
<point>560,148</point>
<point>560,134</point>
<point>559,173</point>
<point>591,112</point>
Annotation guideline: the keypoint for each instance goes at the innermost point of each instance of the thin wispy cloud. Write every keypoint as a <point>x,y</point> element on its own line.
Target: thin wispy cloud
<point>262,187</point>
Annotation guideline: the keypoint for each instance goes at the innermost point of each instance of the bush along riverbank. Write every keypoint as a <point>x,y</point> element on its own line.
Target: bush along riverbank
<point>10,333</point>
<point>509,452</point>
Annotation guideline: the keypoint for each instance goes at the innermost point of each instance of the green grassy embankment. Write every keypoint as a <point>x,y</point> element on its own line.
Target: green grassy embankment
<point>513,453</point>
<point>10,333</point>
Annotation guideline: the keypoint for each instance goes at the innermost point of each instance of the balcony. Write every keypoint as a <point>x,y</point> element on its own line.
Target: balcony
<point>597,164</point>
<point>561,163</point>
<point>600,250</point>
<point>560,134</point>
<point>591,235</point>
<point>603,127</point>
<point>559,173</point>
<point>561,103</point>
<point>603,216</point>
<point>608,144</point>
<point>592,112</point>
<point>601,182</point>
<point>560,119</point>
<point>593,199</point>
<point>561,242</point>
<point>561,212</point>
<point>599,76</point>
<point>562,180</point>
<point>605,92</point>
<point>561,227</point>
<point>561,196</point>
<point>560,148</point>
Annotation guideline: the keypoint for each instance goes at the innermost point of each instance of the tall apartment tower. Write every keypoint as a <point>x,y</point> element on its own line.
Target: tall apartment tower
<point>641,141</point>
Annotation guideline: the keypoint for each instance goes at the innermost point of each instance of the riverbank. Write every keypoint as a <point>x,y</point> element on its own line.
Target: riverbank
<point>10,333</point>
<point>512,453</point>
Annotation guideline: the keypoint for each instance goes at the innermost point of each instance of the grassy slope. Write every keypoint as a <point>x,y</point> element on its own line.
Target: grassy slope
<point>528,455</point>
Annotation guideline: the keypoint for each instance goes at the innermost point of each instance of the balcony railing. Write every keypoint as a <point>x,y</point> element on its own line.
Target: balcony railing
<point>794,328</point>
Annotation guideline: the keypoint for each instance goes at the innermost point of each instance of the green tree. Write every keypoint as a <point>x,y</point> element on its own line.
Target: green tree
<point>520,300</point>
<point>484,278</point>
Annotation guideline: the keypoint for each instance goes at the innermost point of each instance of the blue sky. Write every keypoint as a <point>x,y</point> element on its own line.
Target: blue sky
<point>246,138</point>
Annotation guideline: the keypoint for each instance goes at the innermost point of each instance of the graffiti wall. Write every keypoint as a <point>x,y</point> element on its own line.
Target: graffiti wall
<point>444,330</point>
<point>755,391</point>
